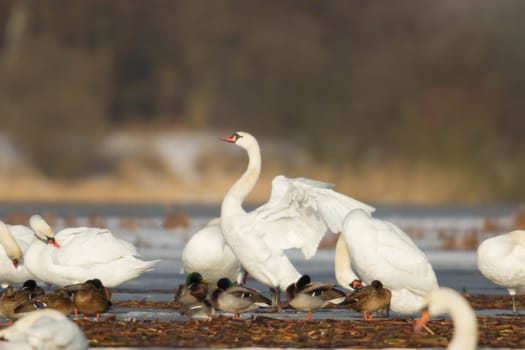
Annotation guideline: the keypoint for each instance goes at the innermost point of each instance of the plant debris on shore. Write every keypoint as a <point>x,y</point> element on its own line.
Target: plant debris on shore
<point>262,331</point>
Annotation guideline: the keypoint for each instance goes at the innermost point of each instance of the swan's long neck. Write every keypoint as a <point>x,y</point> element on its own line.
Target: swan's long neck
<point>10,245</point>
<point>465,327</point>
<point>342,264</point>
<point>232,202</point>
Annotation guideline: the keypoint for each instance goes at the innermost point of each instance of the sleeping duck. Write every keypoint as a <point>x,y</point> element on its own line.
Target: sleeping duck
<point>58,300</point>
<point>194,290</point>
<point>308,296</point>
<point>236,299</point>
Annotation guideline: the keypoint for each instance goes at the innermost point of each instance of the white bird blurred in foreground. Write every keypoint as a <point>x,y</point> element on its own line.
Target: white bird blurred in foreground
<point>43,330</point>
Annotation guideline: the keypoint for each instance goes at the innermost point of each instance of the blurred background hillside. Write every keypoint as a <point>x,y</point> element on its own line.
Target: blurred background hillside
<point>394,101</point>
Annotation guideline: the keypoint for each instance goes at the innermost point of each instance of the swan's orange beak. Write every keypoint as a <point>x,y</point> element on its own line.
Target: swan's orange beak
<point>230,139</point>
<point>356,284</point>
<point>421,321</point>
<point>52,241</point>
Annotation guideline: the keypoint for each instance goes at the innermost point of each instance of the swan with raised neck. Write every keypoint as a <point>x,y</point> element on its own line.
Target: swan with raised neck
<point>259,260</point>
<point>232,203</point>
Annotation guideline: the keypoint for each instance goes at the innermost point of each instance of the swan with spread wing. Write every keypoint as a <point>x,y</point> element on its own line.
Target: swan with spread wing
<point>297,215</point>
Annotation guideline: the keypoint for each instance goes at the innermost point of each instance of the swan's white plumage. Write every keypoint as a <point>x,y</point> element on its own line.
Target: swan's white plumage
<point>44,330</point>
<point>380,250</point>
<point>447,301</point>
<point>297,215</point>
<point>502,260</point>
<point>207,253</point>
<point>84,253</point>
<point>15,240</point>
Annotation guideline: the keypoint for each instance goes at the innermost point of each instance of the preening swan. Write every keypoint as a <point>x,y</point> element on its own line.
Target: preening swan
<point>83,254</point>
<point>14,241</point>
<point>207,253</point>
<point>502,260</point>
<point>297,215</point>
<point>448,301</point>
<point>44,329</point>
<point>379,250</point>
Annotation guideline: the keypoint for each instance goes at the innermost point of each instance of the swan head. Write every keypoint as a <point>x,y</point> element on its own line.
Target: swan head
<point>43,230</point>
<point>356,284</point>
<point>241,138</point>
<point>11,247</point>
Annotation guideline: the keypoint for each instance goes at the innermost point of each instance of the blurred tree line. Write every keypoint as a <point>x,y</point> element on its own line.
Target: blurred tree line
<point>418,82</point>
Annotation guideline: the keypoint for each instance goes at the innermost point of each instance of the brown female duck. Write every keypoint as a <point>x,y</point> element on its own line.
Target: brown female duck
<point>91,298</point>
<point>369,299</point>
<point>58,300</point>
<point>10,299</point>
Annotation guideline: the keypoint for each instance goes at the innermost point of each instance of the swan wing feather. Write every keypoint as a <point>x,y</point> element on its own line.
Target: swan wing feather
<point>299,213</point>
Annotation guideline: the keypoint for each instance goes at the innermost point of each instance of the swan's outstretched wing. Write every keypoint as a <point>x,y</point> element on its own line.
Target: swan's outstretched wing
<point>299,213</point>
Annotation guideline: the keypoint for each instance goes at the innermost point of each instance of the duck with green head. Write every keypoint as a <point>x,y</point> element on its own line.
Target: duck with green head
<point>237,299</point>
<point>194,290</point>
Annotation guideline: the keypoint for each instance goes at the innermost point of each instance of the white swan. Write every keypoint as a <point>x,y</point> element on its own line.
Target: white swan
<point>448,301</point>
<point>206,252</point>
<point>83,254</point>
<point>14,241</point>
<point>501,259</point>
<point>44,329</point>
<point>379,250</point>
<point>297,215</point>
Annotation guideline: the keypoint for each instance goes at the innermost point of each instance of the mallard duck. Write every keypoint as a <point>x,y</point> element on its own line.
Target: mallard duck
<point>58,300</point>
<point>91,298</point>
<point>307,296</point>
<point>10,299</point>
<point>369,299</point>
<point>236,299</point>
<point>201,310</point>
<point>33,289</point>
<point>193,291</point>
